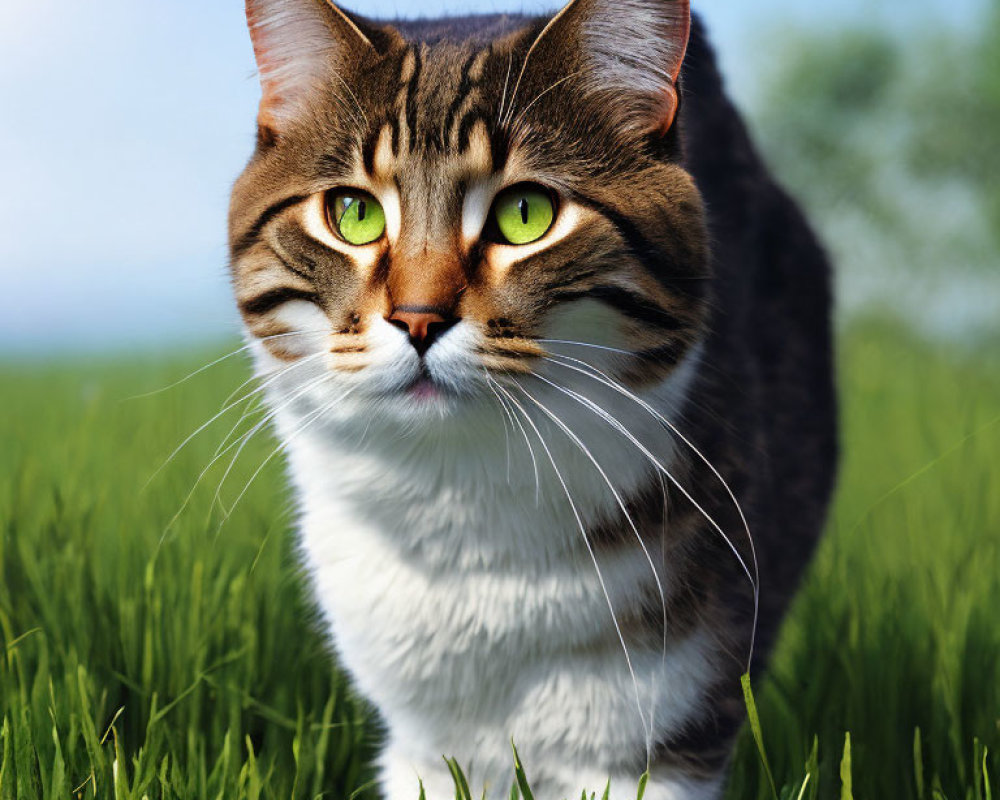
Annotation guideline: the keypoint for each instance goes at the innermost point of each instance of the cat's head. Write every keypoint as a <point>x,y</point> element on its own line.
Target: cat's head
<point>429,210</point>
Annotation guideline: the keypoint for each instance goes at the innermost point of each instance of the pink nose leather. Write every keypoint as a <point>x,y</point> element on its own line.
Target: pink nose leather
<point>423,325</point>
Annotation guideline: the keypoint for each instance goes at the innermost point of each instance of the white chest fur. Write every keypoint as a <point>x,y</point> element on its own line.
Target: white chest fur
<point>464,600</point>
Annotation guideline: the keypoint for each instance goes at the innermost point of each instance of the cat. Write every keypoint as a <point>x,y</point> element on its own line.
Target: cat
<point>549,355</point>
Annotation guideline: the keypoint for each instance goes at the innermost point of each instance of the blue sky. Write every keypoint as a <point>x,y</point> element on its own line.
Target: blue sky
<point>125,123</point>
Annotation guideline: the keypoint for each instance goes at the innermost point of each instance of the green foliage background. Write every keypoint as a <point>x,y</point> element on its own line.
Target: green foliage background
<point>890,140</point>
<point>147,656</point>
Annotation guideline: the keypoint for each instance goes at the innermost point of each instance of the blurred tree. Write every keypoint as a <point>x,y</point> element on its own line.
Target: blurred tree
<point>815,114</point>
<point>957,117</point>
<point>892,141</point>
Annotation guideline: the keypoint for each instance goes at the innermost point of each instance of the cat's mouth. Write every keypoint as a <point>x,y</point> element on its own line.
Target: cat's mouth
<point>424,389</point>
<point>427,389</point>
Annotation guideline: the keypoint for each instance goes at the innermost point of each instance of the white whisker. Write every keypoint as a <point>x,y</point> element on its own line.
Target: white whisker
<point>363,121</point>
<point>238,389</point>
<point>524,67</point>
<point>227,408</point>
<point>252,407</point>
<point>589,345</point>
<point>663,560</point>
<point>217,361</point>
<point>244,439</point>
<point>217,498</point>
<point>506,81</point>
<point>656,462</point>
<point>494,386</point>
<point>590,548</point>
<point>506,419</point>
<point>616,386</point>
<point>281,448</point>
<point>514,123</point>
<point>624,509</point>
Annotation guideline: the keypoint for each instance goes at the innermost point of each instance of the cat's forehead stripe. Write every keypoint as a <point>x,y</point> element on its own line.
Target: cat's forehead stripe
<point>421,116</point>
<point>383,158</point>
<point>407,69</point>
<point>410,105</point>
<point>479,65</point>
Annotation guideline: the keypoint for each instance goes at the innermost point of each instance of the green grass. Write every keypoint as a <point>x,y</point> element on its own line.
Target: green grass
<point>188,661</point>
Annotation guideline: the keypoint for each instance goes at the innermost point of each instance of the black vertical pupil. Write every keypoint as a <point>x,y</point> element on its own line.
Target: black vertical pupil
<point>523,206</point>
<point>362,210</point>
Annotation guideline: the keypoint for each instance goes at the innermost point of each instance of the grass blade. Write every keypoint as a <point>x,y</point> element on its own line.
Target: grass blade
<point>758,733</point>
<point>812,770</point>
<point>520,777</point>
<point>988,790</point>
<point>918,763</point>
<point>976,747</point>
<point>6,763</point>
<point>25,759</point>
<point>462,791</point>
<point>846,781</point>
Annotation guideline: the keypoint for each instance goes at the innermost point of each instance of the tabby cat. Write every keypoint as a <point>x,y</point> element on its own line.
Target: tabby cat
<point>549,356</point>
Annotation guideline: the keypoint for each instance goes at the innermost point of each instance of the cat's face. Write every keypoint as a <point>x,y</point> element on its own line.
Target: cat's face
<point>419,220</point>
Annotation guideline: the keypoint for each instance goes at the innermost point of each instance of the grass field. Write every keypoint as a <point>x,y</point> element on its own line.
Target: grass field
<point>144,659</point>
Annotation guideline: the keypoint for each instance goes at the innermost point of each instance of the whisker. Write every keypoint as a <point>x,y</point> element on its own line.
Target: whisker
<point>616,386</point>
<point>245,438</point>
<point>354,97</point>
<point>588,344</point>
<point>506,419</point>
<point>514,122</point>
<point>621,505</point>
<point>494,386</point>
<point>506,81</point>
<point>187,377</point>
<point>653,460</point>
<point>663,560</point>
<point>217,361</point>
<point>217,499</point>
<point>252,407</point>
<point>253,378</point>
<point>587,402</point>
<point>238,389</point>
<point>590,548</point>
<point>229,407</point>
<point>753,581</point>
<point>524,67</point>
<point>281,448</point>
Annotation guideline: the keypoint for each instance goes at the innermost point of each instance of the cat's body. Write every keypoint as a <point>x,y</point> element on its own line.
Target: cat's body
<point>468,549</point>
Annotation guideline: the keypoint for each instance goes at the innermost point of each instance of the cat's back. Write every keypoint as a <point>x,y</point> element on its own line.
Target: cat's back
<point>767,404</point>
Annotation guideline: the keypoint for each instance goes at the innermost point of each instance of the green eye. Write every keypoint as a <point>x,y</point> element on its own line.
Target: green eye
<point>523,214</point>
<point>355,216</point>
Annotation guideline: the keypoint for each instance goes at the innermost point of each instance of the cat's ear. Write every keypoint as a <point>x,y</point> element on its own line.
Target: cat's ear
<point>299,45</point>
<point>627,52</point>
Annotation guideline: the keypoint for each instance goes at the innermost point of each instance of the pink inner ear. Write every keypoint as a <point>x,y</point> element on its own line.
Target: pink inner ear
<point>635,52</point>
<point>297,43</point>
<point>292,43</point>
<point>683,35</point>
<point>270,99</point>
<point>667,107</point>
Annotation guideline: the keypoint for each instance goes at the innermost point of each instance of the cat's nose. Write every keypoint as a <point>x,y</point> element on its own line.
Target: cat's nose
<point>423,324</point>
